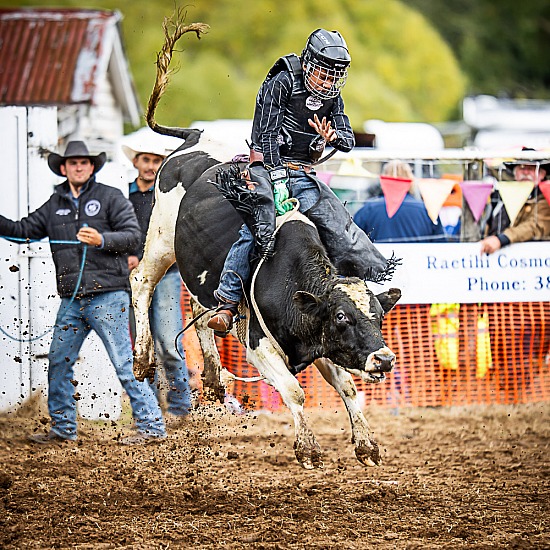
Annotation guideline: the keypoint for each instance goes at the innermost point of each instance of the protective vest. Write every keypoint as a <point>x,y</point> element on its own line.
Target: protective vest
<point>296,134</point>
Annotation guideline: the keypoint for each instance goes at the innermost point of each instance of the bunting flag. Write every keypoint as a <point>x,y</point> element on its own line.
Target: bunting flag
<point>325,177</point>
<point>395,190</point>
<point>434,193</point>
<point>352,167</point>
<point>513,195</point>
<point>476,194</point>
<point>544,186</point>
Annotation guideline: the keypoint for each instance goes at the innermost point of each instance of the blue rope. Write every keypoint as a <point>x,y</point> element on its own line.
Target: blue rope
<point>28,241</point>
<point>75,292</point>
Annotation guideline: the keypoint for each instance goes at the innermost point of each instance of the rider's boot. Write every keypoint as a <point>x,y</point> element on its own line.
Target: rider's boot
<point>222,320</point>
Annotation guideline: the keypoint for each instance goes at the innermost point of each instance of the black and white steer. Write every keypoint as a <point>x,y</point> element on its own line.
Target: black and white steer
<point>312,314</point>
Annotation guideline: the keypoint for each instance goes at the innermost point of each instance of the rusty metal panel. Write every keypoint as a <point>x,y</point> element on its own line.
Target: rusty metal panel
<point>49,56</point>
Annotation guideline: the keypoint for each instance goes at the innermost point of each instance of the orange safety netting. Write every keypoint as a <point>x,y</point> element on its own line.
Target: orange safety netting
<point>447,354</point>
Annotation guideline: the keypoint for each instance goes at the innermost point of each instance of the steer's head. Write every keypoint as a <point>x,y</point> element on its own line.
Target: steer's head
<point>351,322</point>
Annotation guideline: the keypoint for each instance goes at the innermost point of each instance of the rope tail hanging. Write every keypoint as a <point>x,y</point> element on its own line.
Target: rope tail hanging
<point>388,272</point>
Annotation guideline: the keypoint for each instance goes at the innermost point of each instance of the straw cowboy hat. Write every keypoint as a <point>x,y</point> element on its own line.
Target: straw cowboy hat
<point>146,144</point>
<point>75,149</point>
<point>544,164</point>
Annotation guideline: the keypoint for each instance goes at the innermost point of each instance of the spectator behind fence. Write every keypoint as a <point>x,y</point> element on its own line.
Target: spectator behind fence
<point>411,223</point>
<point>531,224</point>
<point>533,220</point>
<point>94,297</point>
<point>165,313</point>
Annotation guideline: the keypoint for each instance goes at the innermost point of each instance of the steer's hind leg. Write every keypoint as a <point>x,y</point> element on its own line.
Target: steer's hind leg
<point>271,365</point>
<point>158,256</point>
<point>366,449</point>
<point>212,386</point>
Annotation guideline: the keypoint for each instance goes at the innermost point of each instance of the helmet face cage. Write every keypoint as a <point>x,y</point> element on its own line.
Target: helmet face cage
<point>317,77</point>
<point>325,60</point>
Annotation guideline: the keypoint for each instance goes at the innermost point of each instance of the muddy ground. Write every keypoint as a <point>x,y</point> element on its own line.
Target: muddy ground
<point>450,478</point>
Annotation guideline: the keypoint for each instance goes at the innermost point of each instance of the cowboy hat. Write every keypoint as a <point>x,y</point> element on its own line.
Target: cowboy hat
<point>542,164</point>
<point>75,149</point>
<point>147,144</point>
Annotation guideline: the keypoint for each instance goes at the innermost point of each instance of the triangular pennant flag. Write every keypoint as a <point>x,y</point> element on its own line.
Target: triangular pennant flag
<point>352,167</point>
<point>395,190</point>
<point>513,195</point>
<point>434,193</point>
<point>544,186</point>
<point>476,195</point>
<point>325,177</point>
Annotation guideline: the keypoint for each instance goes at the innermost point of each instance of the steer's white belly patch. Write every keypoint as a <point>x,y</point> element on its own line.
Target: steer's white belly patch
<point>273,367</point>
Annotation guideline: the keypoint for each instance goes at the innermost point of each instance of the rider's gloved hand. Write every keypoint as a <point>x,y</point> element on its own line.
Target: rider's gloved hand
<point>279,180</point>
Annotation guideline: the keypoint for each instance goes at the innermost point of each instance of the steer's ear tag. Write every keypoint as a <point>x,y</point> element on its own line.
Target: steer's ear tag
<point>306,302</point>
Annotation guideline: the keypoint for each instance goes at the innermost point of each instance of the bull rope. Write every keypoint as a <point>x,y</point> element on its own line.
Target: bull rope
<point>267,332</point>
<point>290,215</point>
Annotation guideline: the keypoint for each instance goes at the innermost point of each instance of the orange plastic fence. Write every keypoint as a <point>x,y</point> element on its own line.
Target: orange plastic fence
<point>447,354</point>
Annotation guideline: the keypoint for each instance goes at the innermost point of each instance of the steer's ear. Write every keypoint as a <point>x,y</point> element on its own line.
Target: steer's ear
<point>307,303</point>
<point>389,298</point>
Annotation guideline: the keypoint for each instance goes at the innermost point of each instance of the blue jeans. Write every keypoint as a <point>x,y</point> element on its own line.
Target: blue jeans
<point>107,314</point>
<point>166,321</point>
<point>237,263</point>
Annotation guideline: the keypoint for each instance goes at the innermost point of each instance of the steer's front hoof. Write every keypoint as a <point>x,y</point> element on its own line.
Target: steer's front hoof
<point>309,457</point>
<point>368,454</point>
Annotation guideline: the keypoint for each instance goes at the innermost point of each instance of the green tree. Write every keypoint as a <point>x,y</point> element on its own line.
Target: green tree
<point>402,70</point>
<point>502,45</point>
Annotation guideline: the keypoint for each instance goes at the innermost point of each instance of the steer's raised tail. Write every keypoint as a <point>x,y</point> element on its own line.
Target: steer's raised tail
<point>174,29</point>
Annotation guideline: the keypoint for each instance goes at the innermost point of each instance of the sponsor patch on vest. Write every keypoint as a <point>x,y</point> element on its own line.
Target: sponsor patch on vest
<point>92,207</point>
<point>63,211</point>
<point>313,103</point>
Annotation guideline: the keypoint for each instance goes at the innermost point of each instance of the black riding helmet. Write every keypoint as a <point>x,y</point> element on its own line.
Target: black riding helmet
<point>326,50</point>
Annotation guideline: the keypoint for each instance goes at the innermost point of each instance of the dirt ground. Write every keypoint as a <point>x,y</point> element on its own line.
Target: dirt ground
<point>450,478</point>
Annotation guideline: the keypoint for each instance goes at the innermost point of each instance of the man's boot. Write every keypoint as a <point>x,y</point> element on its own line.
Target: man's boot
<point>222,320</point>
<point>253,200</point>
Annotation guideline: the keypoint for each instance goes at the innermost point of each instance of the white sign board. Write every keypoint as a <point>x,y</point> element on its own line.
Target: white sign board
<point>457,273</point>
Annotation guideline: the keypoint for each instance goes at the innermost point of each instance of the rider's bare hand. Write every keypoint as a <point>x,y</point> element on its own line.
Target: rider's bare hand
<point>323,128</point>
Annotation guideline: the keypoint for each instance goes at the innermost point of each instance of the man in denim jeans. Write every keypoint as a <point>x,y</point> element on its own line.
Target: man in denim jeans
<point>92,298</point>
<point>165,314</point>
<point>298,111</point>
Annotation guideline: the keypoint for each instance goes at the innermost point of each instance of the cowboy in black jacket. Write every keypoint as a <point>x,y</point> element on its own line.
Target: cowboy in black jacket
<point>98,216</point>
<point>100,211</point>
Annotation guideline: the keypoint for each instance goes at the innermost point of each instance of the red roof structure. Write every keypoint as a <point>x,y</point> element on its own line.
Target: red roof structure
<point>55,56</point>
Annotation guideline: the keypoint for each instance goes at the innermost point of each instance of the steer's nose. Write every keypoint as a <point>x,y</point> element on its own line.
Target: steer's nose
<point>384,360</point>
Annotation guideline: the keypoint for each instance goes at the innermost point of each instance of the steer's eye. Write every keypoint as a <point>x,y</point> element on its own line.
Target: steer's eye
<point>341,317</point>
